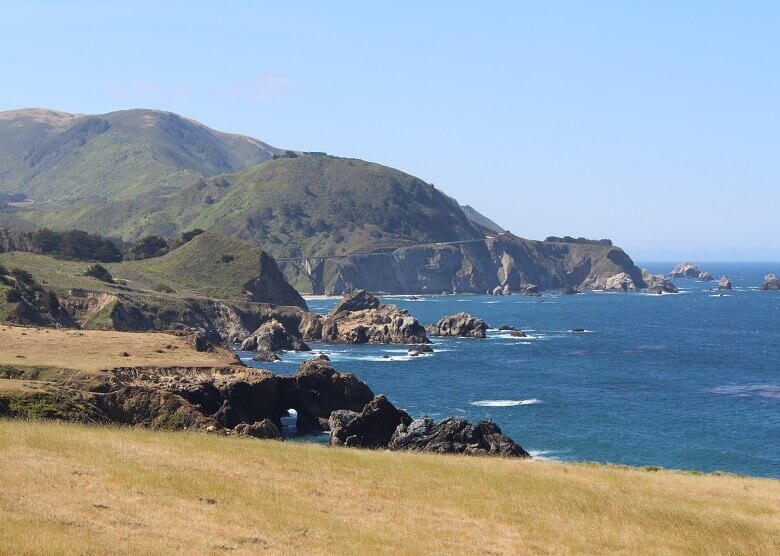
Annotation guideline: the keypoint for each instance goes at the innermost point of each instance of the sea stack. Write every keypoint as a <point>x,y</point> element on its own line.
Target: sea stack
<point>771,283</point>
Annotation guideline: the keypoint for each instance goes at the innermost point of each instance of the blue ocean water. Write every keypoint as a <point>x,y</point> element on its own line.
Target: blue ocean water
<point>686,381</point>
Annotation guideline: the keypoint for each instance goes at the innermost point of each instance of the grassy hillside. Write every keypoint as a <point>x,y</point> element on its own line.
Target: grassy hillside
<point>213,265</point>
<point>210,265</point>
<point>81,489</point>
<point>308,204</point>
<point>55,156</point>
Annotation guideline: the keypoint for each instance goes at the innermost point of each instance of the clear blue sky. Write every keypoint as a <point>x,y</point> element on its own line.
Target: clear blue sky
<point>656,124</point>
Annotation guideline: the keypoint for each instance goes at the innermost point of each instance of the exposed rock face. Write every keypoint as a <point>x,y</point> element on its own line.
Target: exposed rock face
<point>455,436</point>
<point>685,270</point>
<point>532,290</point>
<point>724,283</point>
<point>771,283</point>
<point>568,290</point>
<point>622,282</point>
<point>361,319</point>
<point>461,325</point>
<point>218,320</point>
<point>371,428</point>
<point>264,429</point>
<point>380,425</point>
<point>272,336</point>
<point>658,283</point>
<point>270,285</point>
<point>226,398</point>
<point>266,356</point>
<point>705,277</point>
<point>500,261</point>
<point>359,300</point>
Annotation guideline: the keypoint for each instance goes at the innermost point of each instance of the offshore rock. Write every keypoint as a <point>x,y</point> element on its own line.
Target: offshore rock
<point>685,270</point>
<point>771,283</point>
<point>272,336</point>
<point>705,277</point>
<point>657,283</point>
<point>361,319</point>
<point>460,325</point>
<point>724,283</point>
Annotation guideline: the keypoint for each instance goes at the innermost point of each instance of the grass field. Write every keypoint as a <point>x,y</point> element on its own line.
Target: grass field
<point>93,350</point>
<point>88,490</point>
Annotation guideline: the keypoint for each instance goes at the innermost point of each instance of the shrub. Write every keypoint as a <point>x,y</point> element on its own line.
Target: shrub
<point>100,272</point>
<point>148,247</point>
<point>76,245</point>
<point>187,236</point>
<point>227,258</point>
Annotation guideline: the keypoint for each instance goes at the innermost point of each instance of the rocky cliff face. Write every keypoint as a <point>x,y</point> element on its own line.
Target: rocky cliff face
<point>480,267</point>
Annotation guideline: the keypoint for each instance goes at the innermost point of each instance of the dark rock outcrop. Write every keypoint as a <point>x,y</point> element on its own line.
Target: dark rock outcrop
<point>272,336</point>
<point>230,397</point>
<point>771,283</point>
<point>361,319</point>
<point>373,427</point>
<point>568,290</point>
<point>455,436</point>
<point>724,283</point>
<point>531,290</point>
<point>461,325</point>
<point>263,429</point>
<point>705,277</point>
<point>380,425</point>
<point>358,300</point>
<point>265,356</point>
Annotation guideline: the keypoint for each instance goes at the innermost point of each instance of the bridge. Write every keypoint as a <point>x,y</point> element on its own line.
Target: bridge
<point>327,257</point>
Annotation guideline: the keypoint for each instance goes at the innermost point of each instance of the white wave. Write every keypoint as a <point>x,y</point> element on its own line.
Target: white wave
<point>543,455</point>
<point>506,403</point>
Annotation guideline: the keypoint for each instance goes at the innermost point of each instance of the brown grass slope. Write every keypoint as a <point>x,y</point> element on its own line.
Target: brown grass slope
<point>87,490</point>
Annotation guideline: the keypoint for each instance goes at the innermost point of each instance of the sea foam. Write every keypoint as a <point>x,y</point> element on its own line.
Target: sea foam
<point>506,403</point>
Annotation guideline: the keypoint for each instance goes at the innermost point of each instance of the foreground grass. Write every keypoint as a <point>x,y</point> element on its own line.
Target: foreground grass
<point>75,489</point>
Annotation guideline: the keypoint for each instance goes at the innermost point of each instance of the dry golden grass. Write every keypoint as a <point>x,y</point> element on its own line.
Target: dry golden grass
<point>75,489</point>
<point>93,350</point>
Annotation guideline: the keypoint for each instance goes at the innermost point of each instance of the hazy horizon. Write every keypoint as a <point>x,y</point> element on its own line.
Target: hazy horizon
<point>655,126</point>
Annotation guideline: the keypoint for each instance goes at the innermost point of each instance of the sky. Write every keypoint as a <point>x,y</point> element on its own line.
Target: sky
<point>655,124</point>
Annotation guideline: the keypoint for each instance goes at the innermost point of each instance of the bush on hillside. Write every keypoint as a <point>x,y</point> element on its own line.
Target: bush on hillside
<point>148,247</point>
<point>569,239</point>
<point>100,272</point>
<point>187,236</point>
<point>76,245</point>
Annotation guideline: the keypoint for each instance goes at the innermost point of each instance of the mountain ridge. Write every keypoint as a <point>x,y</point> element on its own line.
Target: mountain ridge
<point>135,172</point>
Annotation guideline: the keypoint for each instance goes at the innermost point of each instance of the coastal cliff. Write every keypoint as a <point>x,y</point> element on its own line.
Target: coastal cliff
<point>479,267</point>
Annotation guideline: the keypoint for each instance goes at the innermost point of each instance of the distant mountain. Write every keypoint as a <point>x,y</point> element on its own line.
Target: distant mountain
<point>135,172</point>
<point>56,156</point>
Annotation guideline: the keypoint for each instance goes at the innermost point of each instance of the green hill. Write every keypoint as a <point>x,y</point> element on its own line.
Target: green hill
<point>304,205</point>
<point>55,156</point>
<point>216,266</point>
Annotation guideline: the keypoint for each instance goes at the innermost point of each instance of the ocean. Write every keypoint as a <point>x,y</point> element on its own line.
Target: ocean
<point>685,381</point>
